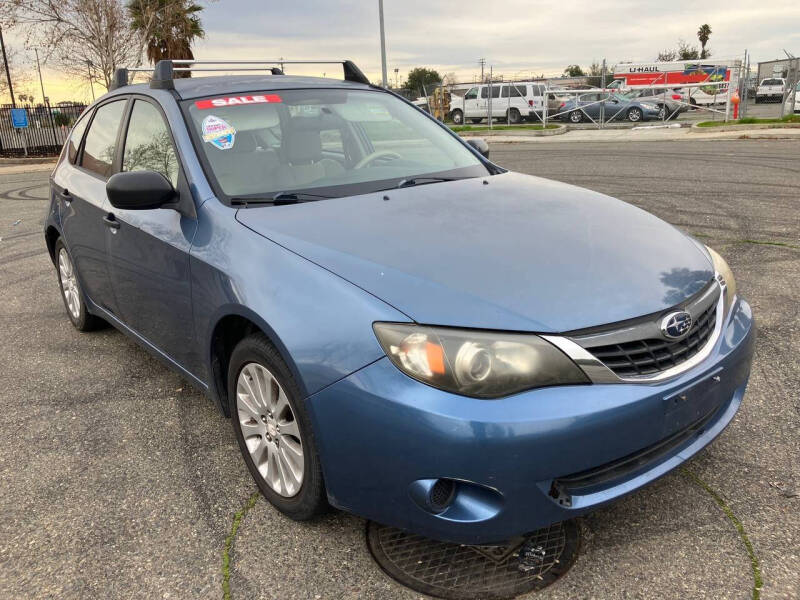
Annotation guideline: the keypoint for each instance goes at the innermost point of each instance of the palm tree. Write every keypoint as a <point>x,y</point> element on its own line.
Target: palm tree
<point>703,34</point>
<point>168,28</point>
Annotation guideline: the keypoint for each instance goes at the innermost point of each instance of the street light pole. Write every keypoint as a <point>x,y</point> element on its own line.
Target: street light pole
<point>39,68</point>
<point>383,44</point>
<point>91,83</point>
<point>8,73</point>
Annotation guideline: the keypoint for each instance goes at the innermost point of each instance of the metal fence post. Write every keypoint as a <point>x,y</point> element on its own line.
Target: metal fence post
<point>489,98</point>
<point>52,123</point>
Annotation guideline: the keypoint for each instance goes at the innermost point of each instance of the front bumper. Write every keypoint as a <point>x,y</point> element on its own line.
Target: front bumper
<point>384,437</point>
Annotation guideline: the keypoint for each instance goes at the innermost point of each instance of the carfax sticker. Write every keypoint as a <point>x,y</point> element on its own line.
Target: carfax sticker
<point>218,133</point>
<point>238,101</point>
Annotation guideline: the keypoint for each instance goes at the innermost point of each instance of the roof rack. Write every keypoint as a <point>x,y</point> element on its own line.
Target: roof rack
<point>163,72</point>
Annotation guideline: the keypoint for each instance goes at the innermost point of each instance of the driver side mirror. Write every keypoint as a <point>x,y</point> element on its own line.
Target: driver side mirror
<point>480,145</point>
<point>139,190</point>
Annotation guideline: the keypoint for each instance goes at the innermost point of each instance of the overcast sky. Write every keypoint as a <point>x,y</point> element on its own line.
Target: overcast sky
<point>516,36</point>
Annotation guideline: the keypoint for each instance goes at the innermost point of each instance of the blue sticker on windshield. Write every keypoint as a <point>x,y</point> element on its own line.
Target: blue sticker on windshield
<point>218,133</point>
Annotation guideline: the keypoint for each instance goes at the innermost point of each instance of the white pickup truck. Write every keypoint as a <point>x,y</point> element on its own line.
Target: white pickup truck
<point>770,90</point>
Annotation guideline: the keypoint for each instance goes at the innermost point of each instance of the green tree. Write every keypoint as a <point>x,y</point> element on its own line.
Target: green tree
<point>168,28</point>
<point>687,52</point>
<point>703,34</point>
<point>421,80</point>
<point>574,71</point>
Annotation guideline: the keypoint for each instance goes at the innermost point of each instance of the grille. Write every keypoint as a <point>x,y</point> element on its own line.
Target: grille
<point>442,493</point>
<point>645,357</point>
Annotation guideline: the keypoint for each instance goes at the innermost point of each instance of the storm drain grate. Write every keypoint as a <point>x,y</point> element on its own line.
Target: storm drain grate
<point>460,572</point>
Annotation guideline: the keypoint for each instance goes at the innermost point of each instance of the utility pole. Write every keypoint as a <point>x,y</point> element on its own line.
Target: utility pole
<point>482,63</point>
<point>396,71</point>
<point>8,73</point>
<point>91,83</point>
<point>383,44</point>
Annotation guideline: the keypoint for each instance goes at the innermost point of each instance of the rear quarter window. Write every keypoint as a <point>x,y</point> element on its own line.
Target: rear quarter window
<point>75,137</point>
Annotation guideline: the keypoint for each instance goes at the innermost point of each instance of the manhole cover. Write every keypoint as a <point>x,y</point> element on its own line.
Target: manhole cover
<point>459,572</point>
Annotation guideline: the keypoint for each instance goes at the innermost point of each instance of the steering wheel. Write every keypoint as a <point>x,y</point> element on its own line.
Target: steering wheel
<point>370,158</point>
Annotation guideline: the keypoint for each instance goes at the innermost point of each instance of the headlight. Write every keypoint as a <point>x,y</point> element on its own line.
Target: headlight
<point>649,106</point>
<point>476,363</point>
<point>725,278</point>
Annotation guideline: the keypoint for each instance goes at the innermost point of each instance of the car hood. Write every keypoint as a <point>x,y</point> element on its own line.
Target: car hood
<point>510,252</point>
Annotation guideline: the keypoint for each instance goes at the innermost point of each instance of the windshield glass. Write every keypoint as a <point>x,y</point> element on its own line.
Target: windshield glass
<point>330,141</point>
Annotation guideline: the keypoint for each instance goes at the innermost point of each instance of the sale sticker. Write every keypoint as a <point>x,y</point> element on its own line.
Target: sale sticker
<point>238,101</point>
<point>218,133</point>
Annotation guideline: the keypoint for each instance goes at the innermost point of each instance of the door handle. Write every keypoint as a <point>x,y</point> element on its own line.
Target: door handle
<point>111,221</point>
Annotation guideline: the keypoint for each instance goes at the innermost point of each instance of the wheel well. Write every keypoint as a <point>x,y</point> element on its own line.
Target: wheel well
<point>50,236</point>
<point>228,332</point>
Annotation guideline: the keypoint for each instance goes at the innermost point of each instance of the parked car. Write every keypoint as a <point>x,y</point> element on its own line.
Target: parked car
<point>771,90</point>
<point>513,102</point>
<point>617,107</point>
<point>396,326</point>
<point>670,98</point>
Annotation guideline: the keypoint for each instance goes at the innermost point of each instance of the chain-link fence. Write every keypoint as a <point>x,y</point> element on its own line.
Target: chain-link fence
<point>47,130</point>
<point>681,93</point>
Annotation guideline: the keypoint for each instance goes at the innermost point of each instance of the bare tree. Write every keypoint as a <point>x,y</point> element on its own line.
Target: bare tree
<point>667,56</point>
<point>85,38</point>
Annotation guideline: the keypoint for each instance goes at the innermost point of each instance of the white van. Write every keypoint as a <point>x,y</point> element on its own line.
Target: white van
<point>511,101</point>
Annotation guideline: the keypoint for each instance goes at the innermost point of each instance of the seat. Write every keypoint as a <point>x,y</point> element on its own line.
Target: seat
<point>302,150</point>
<point>237,166</point>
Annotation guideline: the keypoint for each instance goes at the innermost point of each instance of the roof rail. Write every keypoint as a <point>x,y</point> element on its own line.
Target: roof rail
<point>164,71</point>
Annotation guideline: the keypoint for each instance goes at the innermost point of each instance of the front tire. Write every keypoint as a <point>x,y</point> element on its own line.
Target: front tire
<point>71,292</point>
<point>458,117</point>
<point>273,429</point>
<point>634,115</point>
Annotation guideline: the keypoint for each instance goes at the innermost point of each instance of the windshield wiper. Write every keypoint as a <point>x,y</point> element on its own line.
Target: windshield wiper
<point>411,181</point>
<point>278,199</point>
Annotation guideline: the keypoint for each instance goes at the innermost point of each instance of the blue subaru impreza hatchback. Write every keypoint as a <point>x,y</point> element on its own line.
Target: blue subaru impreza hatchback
<point>395,325</point>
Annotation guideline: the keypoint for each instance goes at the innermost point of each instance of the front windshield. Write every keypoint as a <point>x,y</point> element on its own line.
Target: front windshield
<point>329,142</point>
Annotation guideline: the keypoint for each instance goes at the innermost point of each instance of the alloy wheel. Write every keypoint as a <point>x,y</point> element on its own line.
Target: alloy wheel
<point>69,284</point>
<point>270,429</point>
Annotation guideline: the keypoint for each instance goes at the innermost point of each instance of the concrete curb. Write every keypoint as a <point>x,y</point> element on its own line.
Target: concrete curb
<point>28,161</point>
<point>558,130</point>
<point>744,127</point>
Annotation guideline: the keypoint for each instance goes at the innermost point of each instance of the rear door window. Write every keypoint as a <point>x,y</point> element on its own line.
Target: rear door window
<point>100,146</point>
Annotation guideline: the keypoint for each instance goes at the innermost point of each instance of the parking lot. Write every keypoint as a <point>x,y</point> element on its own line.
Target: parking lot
<point>120,480</point>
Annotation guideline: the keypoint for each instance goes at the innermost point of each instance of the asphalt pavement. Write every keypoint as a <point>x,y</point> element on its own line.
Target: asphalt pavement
<point>120,480</point>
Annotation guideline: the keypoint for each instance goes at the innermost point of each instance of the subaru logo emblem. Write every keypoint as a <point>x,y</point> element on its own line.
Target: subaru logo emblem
<point>676,325</point>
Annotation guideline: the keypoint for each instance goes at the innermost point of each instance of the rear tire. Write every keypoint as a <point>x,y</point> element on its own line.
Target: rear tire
<point>264,397</point>
<point>71,292</point>
<point>575,116</point>
<point>513,117</point>
<point>458,117</point>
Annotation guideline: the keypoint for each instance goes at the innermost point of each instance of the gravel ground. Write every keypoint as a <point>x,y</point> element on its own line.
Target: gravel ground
<point>120,480</point>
